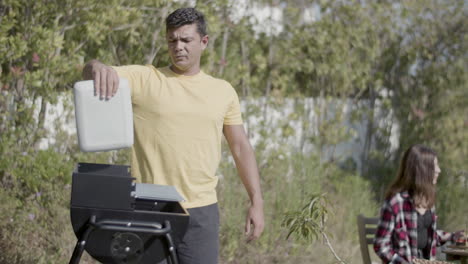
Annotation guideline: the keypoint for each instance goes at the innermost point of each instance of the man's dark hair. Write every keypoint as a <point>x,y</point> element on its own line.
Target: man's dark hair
<point>186,16</point>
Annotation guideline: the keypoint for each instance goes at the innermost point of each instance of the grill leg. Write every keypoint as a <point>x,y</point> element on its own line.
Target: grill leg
<point>81,243</point>
<point>172,250</point>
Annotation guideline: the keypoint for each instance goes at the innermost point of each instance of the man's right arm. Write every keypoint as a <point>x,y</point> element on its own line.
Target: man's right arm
<point>106,79</point>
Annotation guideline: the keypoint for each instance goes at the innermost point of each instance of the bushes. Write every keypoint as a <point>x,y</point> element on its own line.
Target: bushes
<point>32,232</point>
<point>348,193</point>
<point>34,222</point>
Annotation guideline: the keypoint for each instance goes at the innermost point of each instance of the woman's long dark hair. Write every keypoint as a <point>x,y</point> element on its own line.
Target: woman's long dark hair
<point>416,175</point>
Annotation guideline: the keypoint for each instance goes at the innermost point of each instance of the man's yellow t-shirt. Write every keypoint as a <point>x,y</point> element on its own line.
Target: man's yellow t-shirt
<point>178,127</point>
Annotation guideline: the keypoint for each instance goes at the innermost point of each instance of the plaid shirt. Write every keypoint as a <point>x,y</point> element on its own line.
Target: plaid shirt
<point>396,239</point>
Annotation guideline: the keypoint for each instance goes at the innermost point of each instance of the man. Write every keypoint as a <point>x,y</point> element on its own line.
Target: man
<point>179,115</point>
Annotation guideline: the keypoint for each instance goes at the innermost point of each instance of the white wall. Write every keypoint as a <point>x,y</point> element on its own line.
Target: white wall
<point>274,116</point>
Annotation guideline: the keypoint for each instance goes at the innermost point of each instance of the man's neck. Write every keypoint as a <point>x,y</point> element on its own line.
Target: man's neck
<point>188,72</point>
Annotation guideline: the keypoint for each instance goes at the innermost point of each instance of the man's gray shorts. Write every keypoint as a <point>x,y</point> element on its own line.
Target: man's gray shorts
<point>200,244</point>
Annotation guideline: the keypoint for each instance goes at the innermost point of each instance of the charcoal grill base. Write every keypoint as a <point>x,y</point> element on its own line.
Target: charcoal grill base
<point>129,241</point>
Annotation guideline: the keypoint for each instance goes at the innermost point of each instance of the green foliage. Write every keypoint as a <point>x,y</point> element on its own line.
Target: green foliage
<point>309,222</point>
<point>35,209</point>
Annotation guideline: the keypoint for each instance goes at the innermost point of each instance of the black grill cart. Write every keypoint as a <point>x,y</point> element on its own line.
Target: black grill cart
<point>117,220</point>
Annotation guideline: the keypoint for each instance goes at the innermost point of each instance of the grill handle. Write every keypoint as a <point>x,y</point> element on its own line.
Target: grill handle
<point>132,226</point>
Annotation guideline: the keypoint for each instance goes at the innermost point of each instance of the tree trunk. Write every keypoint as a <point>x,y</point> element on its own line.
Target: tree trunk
<point>223,62</point>
<point>369,132</point>
<point>271,54</point>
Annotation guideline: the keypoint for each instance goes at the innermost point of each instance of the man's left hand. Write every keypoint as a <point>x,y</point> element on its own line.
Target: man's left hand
<point>254,222</point>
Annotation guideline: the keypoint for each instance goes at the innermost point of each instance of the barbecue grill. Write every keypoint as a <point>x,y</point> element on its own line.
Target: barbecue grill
<point>119,221</point>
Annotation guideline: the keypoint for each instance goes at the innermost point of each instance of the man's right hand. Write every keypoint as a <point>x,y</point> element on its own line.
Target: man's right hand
<point>106,80</point>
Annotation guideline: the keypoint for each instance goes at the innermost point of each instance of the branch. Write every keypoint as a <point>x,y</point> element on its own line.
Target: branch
<point>123,27</point>
<point>79,46</point>
<point>246,63</point>
<point>327,241</point>
<point>40,123</point>
<point>113,49</point>
<point>149,58</point>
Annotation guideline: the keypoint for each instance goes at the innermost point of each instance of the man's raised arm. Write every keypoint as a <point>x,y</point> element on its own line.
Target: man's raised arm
<point>106,80</point>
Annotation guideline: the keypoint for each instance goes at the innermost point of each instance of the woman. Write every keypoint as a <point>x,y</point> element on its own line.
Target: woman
<point>407,226</point>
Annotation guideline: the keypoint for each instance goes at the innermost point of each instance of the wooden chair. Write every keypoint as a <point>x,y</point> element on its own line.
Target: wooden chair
<point>366,228</point>
<point>424,261</point>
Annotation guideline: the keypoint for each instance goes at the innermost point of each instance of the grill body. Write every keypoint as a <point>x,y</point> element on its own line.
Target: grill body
<point>114,226</point>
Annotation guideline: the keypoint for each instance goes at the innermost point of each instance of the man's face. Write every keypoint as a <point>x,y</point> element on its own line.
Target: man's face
<point>185,48</point>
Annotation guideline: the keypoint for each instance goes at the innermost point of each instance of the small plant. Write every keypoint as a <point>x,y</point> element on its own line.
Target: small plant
<point>309,223</point>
